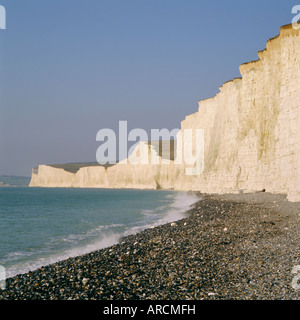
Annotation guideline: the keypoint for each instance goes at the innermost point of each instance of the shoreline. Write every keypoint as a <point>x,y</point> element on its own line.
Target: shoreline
<point>178,203</point>
<point>230,246</point>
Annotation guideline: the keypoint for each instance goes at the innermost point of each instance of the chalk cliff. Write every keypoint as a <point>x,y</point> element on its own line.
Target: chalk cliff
<point>251,135</point>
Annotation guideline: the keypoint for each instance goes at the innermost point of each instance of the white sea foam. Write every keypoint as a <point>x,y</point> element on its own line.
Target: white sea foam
<point>182,202</point>
<point>19,268</point>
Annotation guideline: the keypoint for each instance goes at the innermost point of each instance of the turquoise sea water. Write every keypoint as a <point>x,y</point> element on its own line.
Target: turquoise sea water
<point>39,226</point>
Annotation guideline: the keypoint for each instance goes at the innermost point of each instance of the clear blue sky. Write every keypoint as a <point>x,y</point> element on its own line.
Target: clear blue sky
<point>69,68</point>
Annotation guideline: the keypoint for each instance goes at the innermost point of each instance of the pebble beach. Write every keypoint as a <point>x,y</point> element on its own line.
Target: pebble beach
<point>235,246</point>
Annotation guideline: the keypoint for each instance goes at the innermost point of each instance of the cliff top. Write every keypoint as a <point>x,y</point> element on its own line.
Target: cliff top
<point>284,31</point>
<point>74,167</point>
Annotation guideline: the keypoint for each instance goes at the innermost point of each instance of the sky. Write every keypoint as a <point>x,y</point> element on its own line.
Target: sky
<point>69,68</point>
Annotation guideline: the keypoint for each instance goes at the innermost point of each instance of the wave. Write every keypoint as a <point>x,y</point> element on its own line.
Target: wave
<point>102,236</point>
<point>24,267</point>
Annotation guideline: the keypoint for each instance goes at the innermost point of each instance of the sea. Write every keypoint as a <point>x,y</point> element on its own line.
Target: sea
<point>40,226</point>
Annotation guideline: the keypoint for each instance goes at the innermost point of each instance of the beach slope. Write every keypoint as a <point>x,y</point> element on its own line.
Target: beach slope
<point>241,246</point>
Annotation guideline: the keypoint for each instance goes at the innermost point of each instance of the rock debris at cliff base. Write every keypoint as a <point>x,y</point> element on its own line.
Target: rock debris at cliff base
<point>229,247</point>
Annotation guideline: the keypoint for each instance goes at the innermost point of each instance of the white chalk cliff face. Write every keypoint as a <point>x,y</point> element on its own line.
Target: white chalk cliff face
<point>251,135</point>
